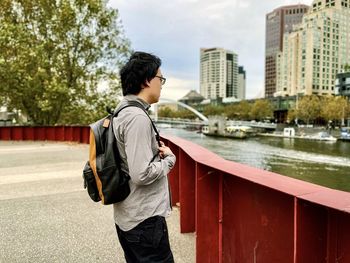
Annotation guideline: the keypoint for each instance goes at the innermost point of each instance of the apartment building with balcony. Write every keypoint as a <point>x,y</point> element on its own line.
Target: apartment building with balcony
<point>218,73</point>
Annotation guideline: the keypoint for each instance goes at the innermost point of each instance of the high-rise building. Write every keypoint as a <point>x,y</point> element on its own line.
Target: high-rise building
<point>316,50</point>
<point>278,22</point>
<point>241,83</point>
<point>218,73</point>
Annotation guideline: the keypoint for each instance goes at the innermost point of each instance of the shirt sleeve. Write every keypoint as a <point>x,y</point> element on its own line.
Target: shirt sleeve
<point>138,147</point>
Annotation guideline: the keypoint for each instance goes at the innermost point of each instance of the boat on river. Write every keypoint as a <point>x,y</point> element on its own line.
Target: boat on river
<point>237,132</point>
<point>345,134</point>
<point>323,136</point>
<point>290,133</point>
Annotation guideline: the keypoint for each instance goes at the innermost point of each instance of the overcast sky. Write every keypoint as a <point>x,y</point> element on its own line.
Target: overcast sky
<point>176,30</point>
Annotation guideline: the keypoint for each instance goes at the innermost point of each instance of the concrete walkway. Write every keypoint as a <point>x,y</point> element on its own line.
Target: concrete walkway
<point>47,216</point>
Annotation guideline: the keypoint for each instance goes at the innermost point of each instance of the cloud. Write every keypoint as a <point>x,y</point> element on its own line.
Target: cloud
<point>176,30</point>
<point>177,88</point>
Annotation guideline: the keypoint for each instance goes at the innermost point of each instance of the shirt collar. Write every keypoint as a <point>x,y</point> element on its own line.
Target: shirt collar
<point>132,97</point>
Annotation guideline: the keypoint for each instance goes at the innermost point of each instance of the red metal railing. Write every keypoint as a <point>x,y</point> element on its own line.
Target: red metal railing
<point>43,133</point>
<point>240,213</point>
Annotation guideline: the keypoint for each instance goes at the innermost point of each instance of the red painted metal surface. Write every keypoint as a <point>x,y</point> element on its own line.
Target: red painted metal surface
<point>59,133</point>
<point>174,177</point>
<point>46,133</point>
<point>50,133</point>
<point>68,133</point>
<point>5,133</point>
<point>77,134</point>
<point>244,214</point>
<point>208,213</point>
<point>28,134</point>
<point>40,134</point>
<point>17,133</point>
<point>85,135</point>
<point>187,182</point>
<point>239,213</point>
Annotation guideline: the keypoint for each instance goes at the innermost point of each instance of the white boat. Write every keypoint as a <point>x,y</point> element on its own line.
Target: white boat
<point>205,129</point>
<point>323,136</point>
<point>235,131</point>
<point>239,132</point>
<point>345,134</point>
<point>164,125</point>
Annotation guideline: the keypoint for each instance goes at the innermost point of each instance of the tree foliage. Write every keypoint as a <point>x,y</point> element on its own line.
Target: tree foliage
<point>308,108</point>
<point>243,109</point>
<point>238,111</point>
<point>292,116</point>
<point>334,108</point>
<point>347,67</point>
<point>211,110</point>
<point>167,112</point>
<point>53,55</point>
<point>261,109</point>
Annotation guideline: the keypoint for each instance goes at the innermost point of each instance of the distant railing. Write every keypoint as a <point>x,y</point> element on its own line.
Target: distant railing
<point>239,213</point>
<point>46,133</point>
<point>253,124</point>
<point>179,120</point>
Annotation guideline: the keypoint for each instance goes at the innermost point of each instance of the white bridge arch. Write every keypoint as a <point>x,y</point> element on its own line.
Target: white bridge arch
<point>165,100</point>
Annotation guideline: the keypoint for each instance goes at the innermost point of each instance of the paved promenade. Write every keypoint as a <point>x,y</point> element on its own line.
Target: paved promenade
<point>47,216</point>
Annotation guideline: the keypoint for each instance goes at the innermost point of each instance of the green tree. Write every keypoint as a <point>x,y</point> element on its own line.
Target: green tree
<point>53,55</point>
<point>231,111</point>
<point>185,114</point>
<point>346,67</point>
<point>308,108</point>
<point>166,112</point>
<point>292,115</point>
<point>211,110</point>
<point>238,111</point>
<point>334,108</point>
<point>243,110</point>
<point>261,109</point>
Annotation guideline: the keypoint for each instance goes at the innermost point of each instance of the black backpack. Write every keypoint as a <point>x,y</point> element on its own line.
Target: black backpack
<point>103,177</point>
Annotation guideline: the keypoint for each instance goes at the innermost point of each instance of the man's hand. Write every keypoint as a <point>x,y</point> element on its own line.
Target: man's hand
<point>164,151</point>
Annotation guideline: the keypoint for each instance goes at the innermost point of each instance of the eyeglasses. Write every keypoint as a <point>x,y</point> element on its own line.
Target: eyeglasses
<point>162,80</point>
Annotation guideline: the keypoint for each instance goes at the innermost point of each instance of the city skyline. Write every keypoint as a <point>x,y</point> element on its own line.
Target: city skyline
<point>176,30</point>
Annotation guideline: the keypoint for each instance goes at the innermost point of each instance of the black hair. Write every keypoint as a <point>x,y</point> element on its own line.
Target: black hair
<point>140,68</point>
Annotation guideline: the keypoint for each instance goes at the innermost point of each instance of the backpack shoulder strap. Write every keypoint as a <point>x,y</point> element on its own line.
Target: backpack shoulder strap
<point>137,104</point>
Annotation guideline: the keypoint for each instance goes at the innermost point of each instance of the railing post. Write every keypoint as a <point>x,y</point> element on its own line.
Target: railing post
<point>174,175</point>
<point>17,133</point>
<point>29,133</point>
<point>311,236</point>
<point>5,133</point>
<point>85,134</point>
<point>187,192</point>
<point>208,215</point>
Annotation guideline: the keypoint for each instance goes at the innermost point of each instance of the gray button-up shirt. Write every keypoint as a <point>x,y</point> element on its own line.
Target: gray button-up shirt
<point>137,145</point>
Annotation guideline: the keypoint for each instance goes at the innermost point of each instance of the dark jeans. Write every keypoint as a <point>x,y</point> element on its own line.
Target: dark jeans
<point>147,242</point>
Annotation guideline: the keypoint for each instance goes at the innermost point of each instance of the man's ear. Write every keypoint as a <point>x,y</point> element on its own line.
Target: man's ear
<point>146,84</point>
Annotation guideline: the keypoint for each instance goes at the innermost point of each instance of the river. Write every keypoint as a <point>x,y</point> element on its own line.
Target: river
<point>319,162</point>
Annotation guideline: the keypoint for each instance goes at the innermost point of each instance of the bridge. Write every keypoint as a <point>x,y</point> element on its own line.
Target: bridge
<point>253,124</point>
<point>204,119</point>
<point>177,122</point>
<point>165,100</point>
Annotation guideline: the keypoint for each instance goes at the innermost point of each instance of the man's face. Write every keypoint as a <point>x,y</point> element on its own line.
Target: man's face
<point>156,86</point>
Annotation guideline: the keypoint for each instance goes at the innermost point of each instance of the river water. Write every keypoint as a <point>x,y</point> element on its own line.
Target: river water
<point>319,162</point>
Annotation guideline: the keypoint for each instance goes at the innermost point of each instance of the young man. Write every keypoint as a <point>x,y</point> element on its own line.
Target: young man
<point>140,218</point>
